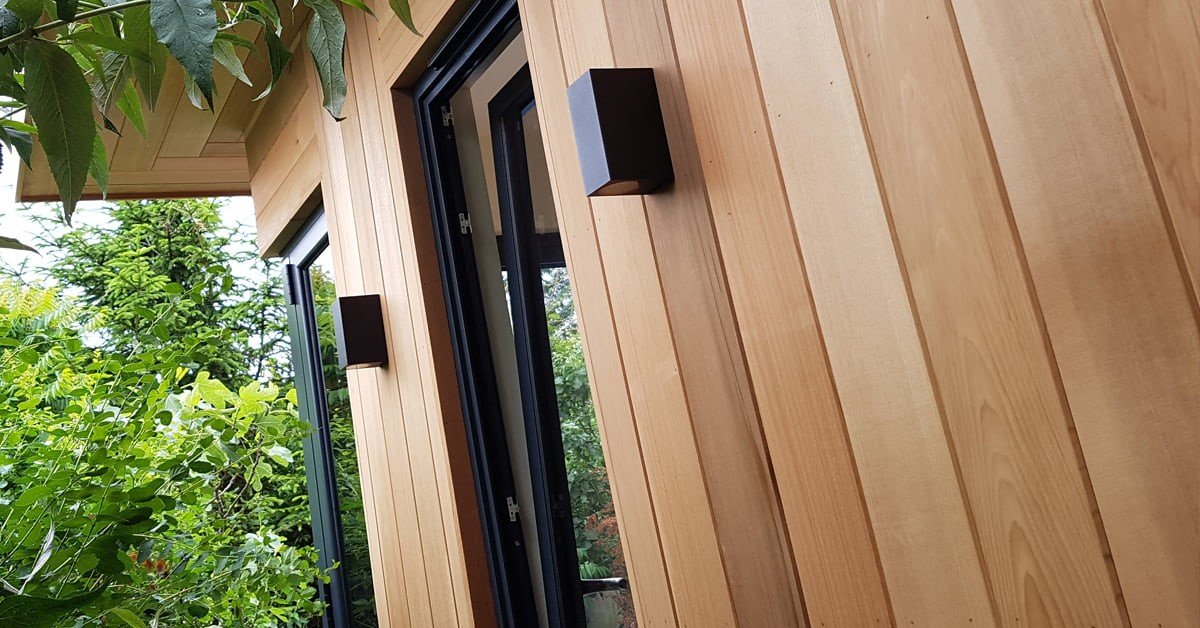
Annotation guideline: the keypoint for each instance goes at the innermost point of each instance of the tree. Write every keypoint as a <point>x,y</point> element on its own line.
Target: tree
<point>154,250</point>
<point>71,63</point>
<point>128,494</point>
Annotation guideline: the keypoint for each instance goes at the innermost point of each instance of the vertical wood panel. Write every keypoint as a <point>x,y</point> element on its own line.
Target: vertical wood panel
<point>686,525</point>
<point>1114,300</point>
<point>921,526</point>
<point>809,448</point>
<point>758,560</point>
<point>637,519</point>
<point>985,341</point>
<point>1158,43</point>
<point>382,535</point>
<point>405,588</point>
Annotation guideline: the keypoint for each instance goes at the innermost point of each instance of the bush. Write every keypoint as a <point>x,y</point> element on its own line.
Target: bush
<point>126,492</point>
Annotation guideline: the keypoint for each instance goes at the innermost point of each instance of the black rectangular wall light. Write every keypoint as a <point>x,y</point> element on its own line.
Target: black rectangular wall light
<point>619,132</point>
<point>358,326</point>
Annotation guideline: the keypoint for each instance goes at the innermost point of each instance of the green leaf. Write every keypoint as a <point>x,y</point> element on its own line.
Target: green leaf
<point>98,167</point>
<point>28,611</point>
<point>225,54</point>
<point>358,4</point>
<point>131,105</point>
<point>18,139</point>
<point>236,40</point>
<point>149,74</point>
<point>404,12</point>
<point>128,617</point>
<point>43,554</point>
<point>66,9</point>
<point>9,86</point>
<point>193,92</point>
<point>188,28</point>
<point>15,244</point>
<point>278,55</point>
<point>110,82</point>
<point>326,42</point>
<point>110,42</point>
<point>31,495</point>
<point>30,11</point>
<point>61,105</point>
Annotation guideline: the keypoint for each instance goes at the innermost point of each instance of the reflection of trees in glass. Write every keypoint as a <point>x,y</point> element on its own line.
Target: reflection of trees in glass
<point>597,541</point>
<point>357,563</point>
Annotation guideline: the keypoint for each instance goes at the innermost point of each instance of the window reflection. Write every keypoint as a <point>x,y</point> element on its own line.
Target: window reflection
<point>356,564</point>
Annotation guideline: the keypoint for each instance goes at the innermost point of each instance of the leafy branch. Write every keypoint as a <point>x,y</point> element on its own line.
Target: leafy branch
<point>69,69</point>
<point>49,26</point>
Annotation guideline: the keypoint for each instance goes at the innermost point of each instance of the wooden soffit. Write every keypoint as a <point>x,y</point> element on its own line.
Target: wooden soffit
<point>186,151</point>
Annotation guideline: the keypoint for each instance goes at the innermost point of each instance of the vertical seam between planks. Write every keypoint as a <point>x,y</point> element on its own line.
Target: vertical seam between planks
<point>683,388</point>
<point>397,170</point>
<point>379,387</point>
<point>1031,287</point>
<point>617,343</point>
<point>1139,132</point>
<point>742,355</point>
<point>841,414</point>
<point>912,305</point>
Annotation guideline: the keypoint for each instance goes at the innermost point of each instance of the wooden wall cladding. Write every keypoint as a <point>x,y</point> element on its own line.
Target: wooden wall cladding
<point>422,520</point>
<point>912,340</point>
<point>922,300</point>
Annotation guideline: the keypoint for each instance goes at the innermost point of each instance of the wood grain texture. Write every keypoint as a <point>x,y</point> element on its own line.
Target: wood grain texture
<point>284,159</point>
<point>920,521</point>
<point>636,514</point>
<point>758,559</point>
<point>343,189</point>
<point>810,453</point>
<point>1114,300</point>
<point>985,340</point>
<point>1158,47</point>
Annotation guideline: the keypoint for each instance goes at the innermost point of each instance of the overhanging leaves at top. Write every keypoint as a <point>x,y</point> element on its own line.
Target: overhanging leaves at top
<point>188,28</point>
<point>50,49</point>
<point>61,105</point>
<point>326,41</point>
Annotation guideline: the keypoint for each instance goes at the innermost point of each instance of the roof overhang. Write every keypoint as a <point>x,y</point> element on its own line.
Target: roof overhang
<point>186,151</point>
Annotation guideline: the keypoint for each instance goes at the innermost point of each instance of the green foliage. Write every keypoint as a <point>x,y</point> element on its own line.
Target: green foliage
<point>60,102</point>
<point>133,273</point>
<point>326,39</point>
<point>63,65</point>
<point>187,28</point>
<point>596,539</point>
<point>130,488</point>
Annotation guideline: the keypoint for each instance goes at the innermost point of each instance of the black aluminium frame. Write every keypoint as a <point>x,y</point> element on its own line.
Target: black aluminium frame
<point>521,252</point>
<point>484,27</point>
<point>487,25</point>
<point>319,467</point>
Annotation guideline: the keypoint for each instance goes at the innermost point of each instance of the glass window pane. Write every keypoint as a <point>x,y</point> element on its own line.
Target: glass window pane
<point>597,541</point>
<point>356,564</point>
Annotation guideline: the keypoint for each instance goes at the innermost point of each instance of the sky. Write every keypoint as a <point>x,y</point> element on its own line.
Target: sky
<point>16,222</point>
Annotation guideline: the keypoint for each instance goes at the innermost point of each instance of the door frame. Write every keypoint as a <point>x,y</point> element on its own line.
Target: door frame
<point>486,25</point>
<point>308,371</point>
<point>521,253</point>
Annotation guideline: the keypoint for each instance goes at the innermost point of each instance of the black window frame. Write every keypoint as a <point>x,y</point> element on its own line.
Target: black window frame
<point>319,463</point>
<point>485,26</point>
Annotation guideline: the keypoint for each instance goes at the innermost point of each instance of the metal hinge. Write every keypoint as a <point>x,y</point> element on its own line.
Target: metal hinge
<point>464,223</point>
<point>447,116</point>
<point>513,509</point>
